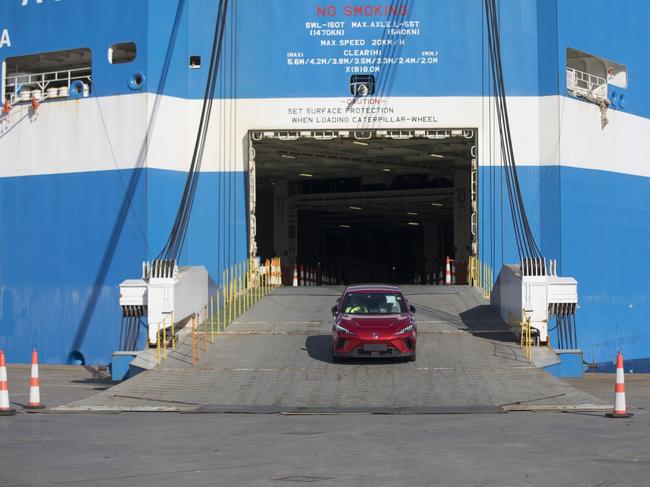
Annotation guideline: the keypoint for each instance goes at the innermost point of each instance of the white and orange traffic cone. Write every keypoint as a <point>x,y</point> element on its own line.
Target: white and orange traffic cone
<point>620,409</point>
<point>5,406</point>
<point>447,271</point>
<point>295,276</point>
<point>34,385</point>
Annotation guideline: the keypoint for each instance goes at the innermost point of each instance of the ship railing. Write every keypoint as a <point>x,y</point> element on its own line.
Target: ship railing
<point>22,87</point>
<point>243,285</point>
<point>480,276</point>
<point>585,85</point>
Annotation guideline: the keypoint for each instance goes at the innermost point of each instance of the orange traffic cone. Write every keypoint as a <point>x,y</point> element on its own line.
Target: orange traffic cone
<point>620,409</point>
<point>34,385</point>
<point>447,271</point>
<point>5,408</point>
<point>295,276</point>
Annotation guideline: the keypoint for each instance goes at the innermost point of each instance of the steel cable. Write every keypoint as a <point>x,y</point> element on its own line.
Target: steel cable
<point>526,244</point>
<point>176,240</point>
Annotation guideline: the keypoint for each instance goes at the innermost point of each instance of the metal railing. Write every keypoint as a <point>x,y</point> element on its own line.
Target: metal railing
<point>586,85</point>
<point>480,276</point>
<point>243,285</point>
<point>20,87</point>
<point>161,338</point>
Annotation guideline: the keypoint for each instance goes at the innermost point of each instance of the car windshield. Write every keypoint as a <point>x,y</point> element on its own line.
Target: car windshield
<point>374,304</point>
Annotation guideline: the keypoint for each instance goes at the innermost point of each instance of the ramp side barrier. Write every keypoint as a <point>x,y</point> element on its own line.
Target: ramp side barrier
<point>480,276</point>
<point>161,338</point>
<point>243,284</point>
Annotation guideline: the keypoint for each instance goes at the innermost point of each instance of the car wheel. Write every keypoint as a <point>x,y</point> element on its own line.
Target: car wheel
<point>337,359</point>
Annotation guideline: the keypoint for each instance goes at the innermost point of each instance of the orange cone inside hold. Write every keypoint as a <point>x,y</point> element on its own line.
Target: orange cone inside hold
<point>295,276</point>
<point>5,408</point>
<point>34,385</point>
<point>620,408</point>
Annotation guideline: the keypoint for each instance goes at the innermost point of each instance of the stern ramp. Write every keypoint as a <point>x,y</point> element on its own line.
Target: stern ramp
<point>276,358</point>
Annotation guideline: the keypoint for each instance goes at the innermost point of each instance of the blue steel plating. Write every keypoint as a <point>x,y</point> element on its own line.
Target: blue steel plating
<point>67,240</point>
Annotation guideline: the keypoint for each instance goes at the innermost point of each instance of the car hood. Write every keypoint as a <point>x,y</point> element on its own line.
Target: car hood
<point>375,321</point>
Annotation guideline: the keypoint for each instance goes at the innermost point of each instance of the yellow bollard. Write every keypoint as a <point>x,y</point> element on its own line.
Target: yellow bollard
<point>158,345</point>
<point>164,340</point>
<point>231,298</point>
<point>218,314</point>
<point>226,303</point>
<point>205,328</point>
<point>242,287</point>
<point>248,284</point>
<point>235,296</point>
<point>267,280</point>
<point>193,337</point>
<point>225,309</point>
<point>173,334</point>
<point>223,291</point>
<point>211,319</point>
<point>530,351</point>
<point>245,274</point>
<point>237,289</point>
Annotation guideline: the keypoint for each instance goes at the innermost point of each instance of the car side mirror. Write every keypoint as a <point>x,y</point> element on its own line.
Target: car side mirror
<point>334,310</point>
<point>412,308</point>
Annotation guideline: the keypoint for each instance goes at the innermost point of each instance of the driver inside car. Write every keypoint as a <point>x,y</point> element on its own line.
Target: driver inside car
<point>355,305</point>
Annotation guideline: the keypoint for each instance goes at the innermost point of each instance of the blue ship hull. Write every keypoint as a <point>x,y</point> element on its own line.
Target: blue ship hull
<point>90,187</point>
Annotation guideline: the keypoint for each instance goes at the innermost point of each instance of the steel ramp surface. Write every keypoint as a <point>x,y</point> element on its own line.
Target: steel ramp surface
<point>276,358</point>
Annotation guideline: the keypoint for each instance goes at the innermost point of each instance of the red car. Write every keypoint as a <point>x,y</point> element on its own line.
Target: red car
<point>373,321</point>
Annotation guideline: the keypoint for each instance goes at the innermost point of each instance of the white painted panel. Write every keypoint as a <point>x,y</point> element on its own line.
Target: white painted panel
<point>91,134</point>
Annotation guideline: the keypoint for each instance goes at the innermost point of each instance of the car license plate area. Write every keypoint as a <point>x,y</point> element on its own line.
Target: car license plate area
<point>374,347</point>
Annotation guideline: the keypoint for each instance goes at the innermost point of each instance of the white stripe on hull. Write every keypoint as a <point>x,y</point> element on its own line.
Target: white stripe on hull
<point>99,134</point>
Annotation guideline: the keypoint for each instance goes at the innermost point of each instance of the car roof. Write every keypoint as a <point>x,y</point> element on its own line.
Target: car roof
<point>359,288</point>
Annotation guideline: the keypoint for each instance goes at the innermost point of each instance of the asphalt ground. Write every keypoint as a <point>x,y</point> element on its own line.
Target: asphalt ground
<point>172,449</point>
<point>59,384</point>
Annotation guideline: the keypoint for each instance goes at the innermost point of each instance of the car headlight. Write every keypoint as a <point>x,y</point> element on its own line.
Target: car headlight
<point>342,329</point>
<point>406,329</point>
